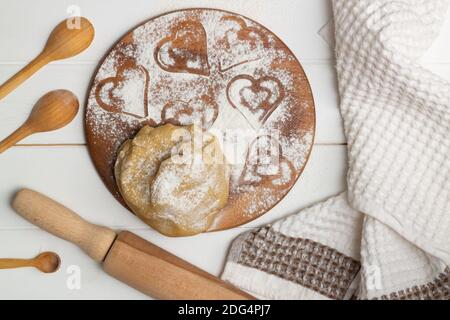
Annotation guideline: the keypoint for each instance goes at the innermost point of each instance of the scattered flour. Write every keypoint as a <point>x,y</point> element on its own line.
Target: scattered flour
<point>244,67</point>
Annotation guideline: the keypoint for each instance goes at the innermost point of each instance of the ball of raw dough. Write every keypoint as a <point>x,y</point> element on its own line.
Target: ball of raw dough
<point>174,178</point>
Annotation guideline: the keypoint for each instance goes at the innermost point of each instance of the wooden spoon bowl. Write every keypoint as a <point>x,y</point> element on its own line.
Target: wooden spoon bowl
<point>53,111</point>
<point>66,40</point>
<point>46,262</point>
<point>69,39</point>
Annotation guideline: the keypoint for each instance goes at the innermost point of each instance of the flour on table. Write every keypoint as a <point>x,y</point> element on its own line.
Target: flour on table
<point>246,85</point>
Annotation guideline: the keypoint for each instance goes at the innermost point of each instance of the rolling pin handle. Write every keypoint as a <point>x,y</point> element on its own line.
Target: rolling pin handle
<point>64,223</point>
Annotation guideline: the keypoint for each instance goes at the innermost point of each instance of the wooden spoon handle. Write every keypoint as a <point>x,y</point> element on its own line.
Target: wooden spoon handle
<point>14,137</point>
<point>15,263</point>
<point>64,223</point>
<point>27,71</point>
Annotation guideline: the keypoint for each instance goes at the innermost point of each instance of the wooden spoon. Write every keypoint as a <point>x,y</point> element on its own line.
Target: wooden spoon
<point>53,111</point>
<point>46,262</point>
<point>64,42</point>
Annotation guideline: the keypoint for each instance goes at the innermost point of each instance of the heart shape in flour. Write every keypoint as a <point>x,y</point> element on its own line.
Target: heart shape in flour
<point>255,99</point>
<point>202,112</point>
<point>127,92</point>
<point>184,50</point>
<point>240,40</point>
<point>265,164</point>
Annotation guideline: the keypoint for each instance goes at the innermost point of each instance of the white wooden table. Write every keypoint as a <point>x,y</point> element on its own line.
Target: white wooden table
<point>58,164</point>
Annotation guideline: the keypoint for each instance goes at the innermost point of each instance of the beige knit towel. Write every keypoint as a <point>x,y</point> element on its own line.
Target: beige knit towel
<point>388,237</point>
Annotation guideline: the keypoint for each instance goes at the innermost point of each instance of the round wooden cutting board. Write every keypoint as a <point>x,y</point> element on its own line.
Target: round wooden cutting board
<point>220,70</point>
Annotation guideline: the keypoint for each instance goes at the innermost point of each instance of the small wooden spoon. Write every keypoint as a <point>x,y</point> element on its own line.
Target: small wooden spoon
<point>53,111</point>
<point>46,262</point>
<point>64,42</point>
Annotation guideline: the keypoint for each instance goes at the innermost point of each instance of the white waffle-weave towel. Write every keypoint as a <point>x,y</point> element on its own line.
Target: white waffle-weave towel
<point>388,236</point>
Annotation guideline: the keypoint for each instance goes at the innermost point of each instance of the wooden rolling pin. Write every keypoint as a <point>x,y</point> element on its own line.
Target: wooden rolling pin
<point>126,256</point>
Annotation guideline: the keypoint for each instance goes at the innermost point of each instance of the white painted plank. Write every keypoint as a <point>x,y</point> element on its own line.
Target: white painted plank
<point>67,175</point>
<point>298,22</point>
<point>440,50</point>
<point>323,81</point>
<point>16,107</point>
<point>441,69</point>
<point>31,284</point>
